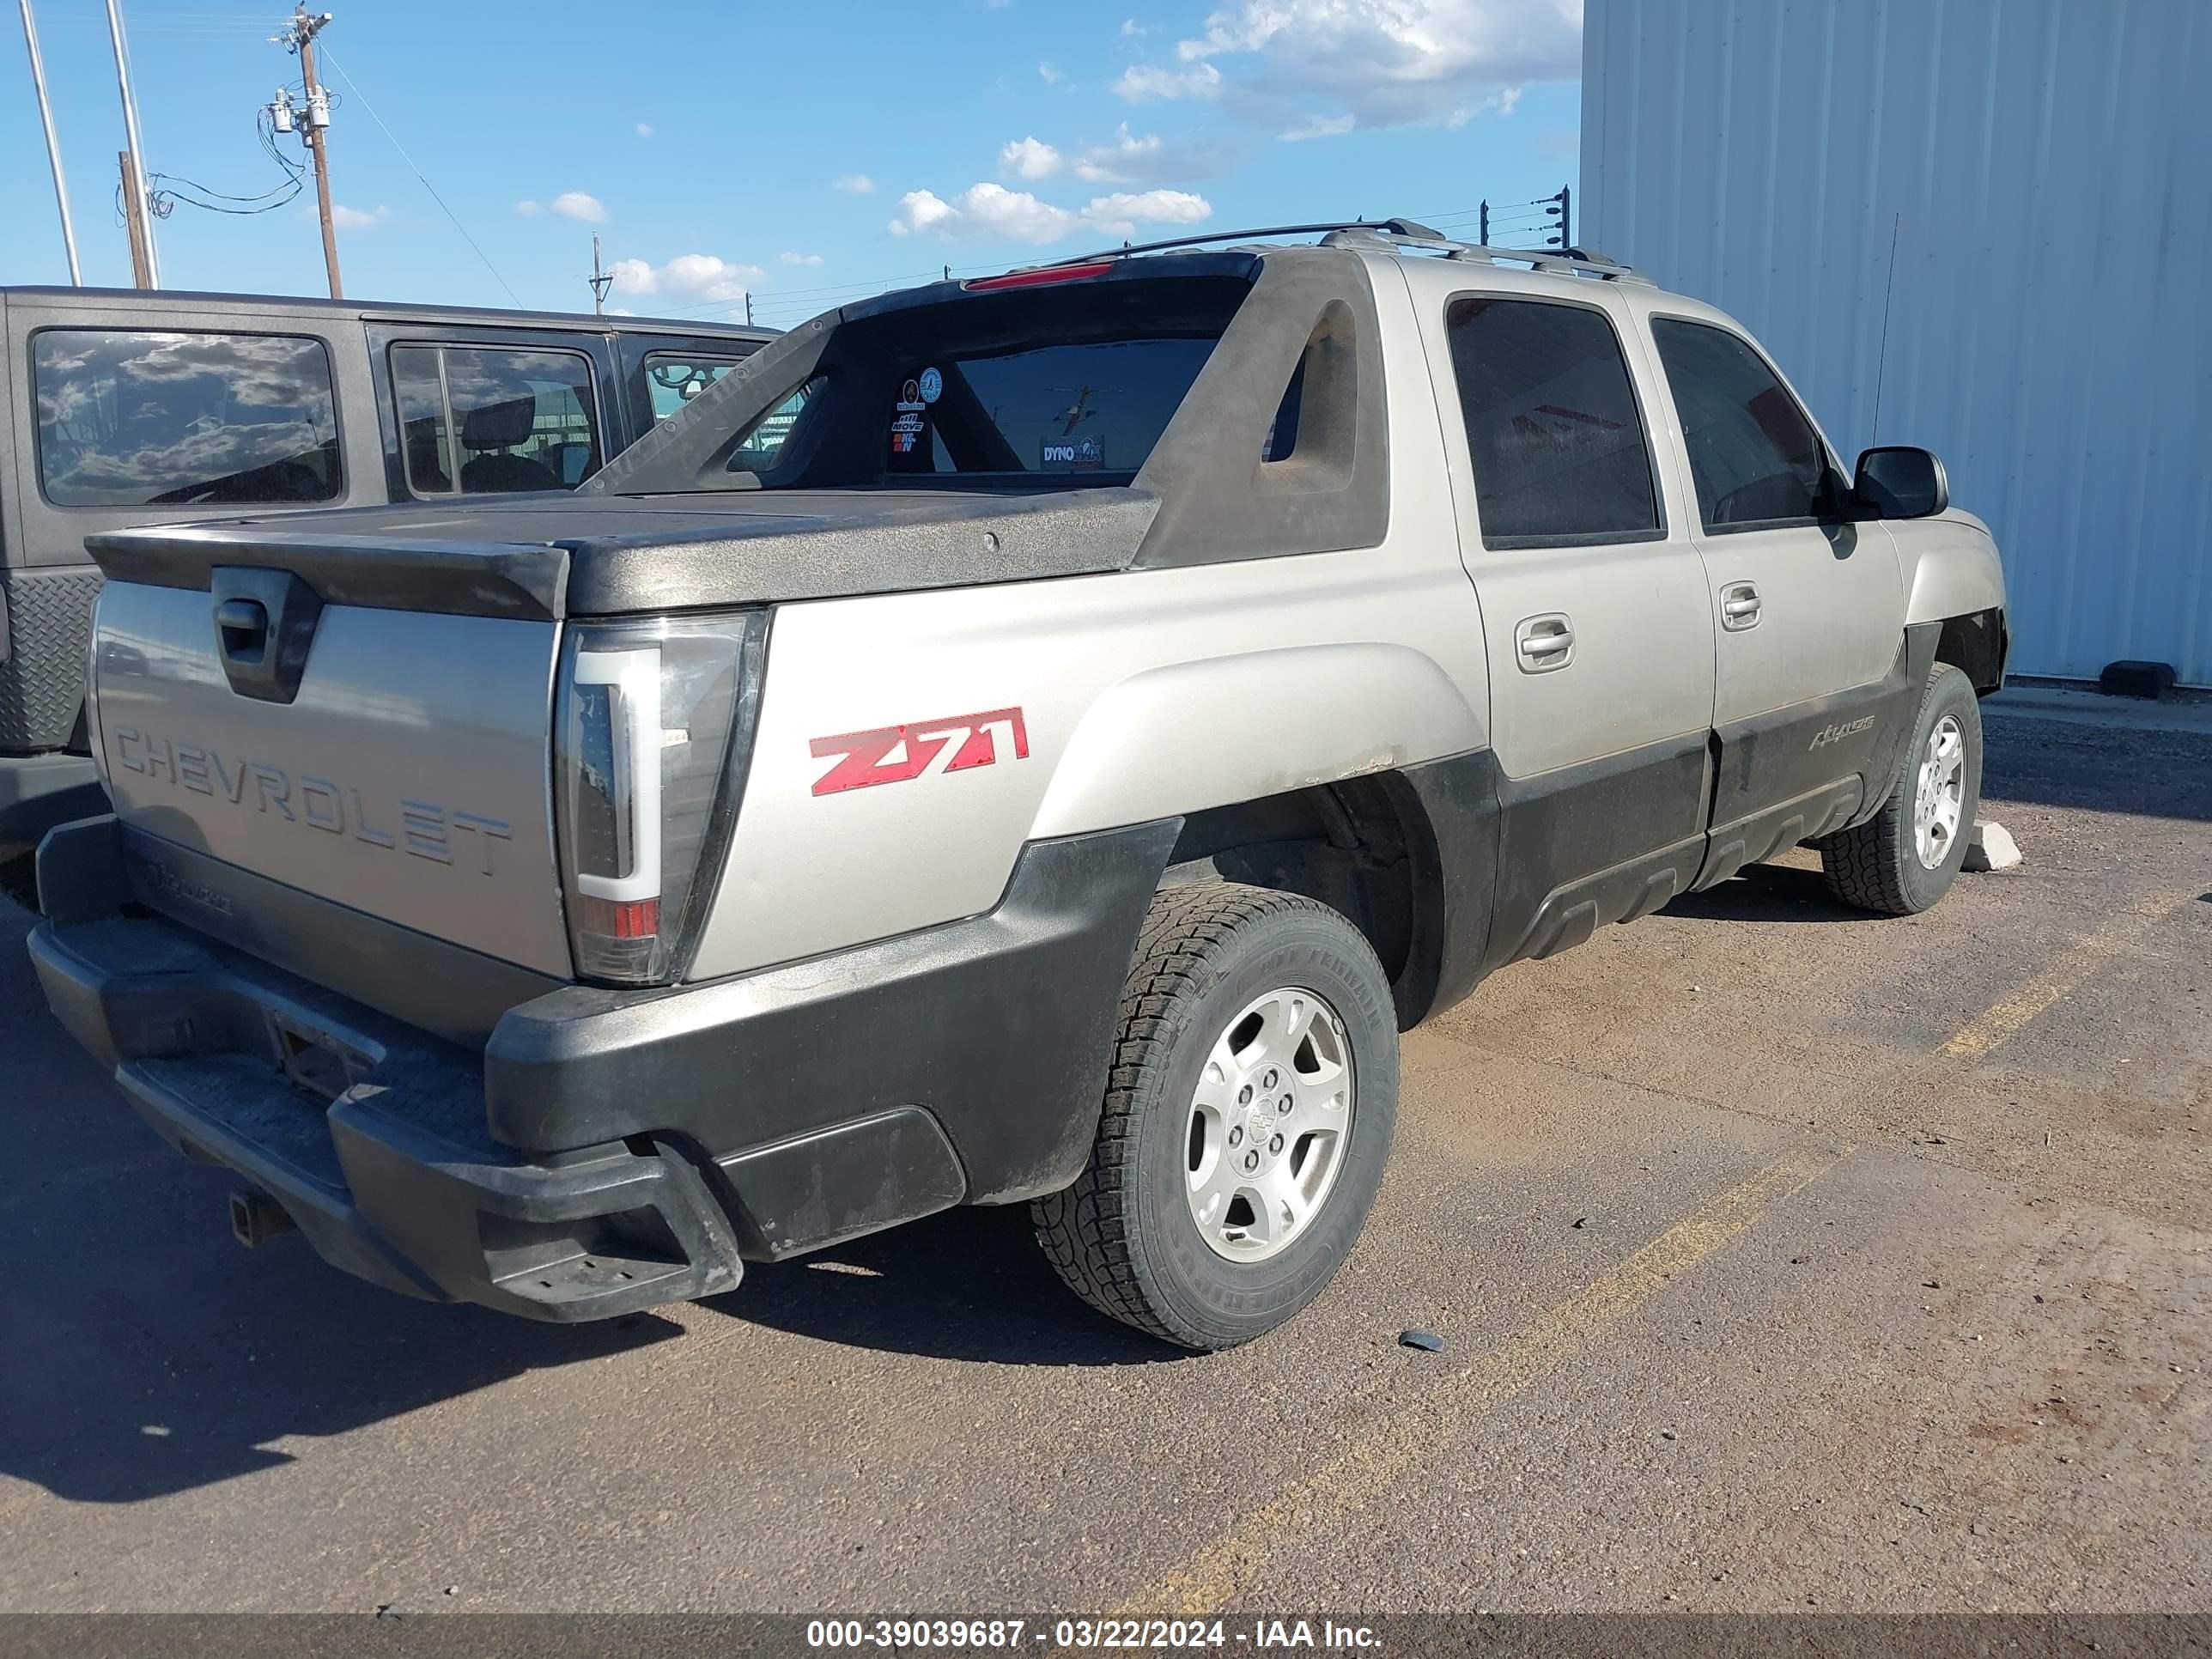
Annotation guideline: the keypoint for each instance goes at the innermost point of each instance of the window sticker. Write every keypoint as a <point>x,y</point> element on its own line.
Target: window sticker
<point>1072,454</point>
<point>931,385</point>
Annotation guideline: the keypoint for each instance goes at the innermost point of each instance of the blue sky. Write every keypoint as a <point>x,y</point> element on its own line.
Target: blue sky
<point>801,152</point>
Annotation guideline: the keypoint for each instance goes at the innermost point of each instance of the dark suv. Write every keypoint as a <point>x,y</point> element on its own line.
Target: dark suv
<point>119,407</point>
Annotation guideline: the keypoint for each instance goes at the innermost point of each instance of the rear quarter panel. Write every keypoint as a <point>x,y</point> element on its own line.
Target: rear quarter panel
<point>1140,695</point>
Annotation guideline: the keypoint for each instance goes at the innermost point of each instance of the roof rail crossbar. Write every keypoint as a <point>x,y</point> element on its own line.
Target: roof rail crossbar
<point>1397,233</point>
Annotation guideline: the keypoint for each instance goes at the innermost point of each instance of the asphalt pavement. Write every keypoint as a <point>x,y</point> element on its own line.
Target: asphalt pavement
<point>1783,1259</point>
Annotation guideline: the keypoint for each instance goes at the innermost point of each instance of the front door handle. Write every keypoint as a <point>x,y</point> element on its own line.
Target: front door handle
<point>1544,643</point>
<point>1739,607</point>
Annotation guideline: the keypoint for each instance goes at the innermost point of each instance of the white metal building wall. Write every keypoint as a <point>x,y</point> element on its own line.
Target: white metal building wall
<point>2045,170</point>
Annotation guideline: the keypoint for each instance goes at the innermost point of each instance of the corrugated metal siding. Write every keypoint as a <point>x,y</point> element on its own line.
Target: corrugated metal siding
<point>2044,169</point>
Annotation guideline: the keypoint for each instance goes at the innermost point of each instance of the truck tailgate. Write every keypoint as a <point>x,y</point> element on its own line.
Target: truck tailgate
<point>404,771</point>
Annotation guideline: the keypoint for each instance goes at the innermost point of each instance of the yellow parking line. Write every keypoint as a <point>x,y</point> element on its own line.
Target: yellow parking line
<point>1232,1563</point>
<point>1996,1024</point>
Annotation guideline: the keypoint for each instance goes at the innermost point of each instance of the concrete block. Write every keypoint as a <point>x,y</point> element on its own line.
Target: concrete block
<point>1991,849</point>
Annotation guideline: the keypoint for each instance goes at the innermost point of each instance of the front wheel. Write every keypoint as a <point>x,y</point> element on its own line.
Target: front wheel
<point>1902,860</point>
<point>1248,1109</point>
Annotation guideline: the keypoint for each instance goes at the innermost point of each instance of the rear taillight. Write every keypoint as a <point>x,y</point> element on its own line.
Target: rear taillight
<point>652,726</point>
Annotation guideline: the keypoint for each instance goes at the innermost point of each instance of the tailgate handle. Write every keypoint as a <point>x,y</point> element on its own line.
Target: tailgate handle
<point>243,625</point>
<point>264,627</point>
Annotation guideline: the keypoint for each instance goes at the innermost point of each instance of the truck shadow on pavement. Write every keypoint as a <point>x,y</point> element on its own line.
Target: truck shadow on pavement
<point>966,1284</point>
<point>179,1360</point>
<point>1765,892</point>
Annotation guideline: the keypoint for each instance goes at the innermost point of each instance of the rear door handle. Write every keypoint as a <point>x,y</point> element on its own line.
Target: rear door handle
<point>1544,643</point>
<point>1739,607</point>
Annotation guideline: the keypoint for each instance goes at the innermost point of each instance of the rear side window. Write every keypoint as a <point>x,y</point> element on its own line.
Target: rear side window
<point>144,419</point>
<point>673,379</point>
<point>1553,428</point>
<point>1082,406</point>
<point>490,420</point>
<point>1754,454</point>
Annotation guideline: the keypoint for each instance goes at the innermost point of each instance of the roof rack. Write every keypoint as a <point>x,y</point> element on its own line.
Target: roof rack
<point>1406,233</point>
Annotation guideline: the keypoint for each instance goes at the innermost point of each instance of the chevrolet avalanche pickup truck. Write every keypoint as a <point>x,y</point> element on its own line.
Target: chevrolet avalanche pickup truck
<point>1034,739</point>
<point>120,408</point>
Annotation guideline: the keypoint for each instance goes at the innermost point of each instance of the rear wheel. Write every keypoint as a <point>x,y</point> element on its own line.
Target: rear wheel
<point>1902,860</point>
<point>1247,1113</point>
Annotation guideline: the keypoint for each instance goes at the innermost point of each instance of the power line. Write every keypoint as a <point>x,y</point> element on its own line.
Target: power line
<point>331,58</point>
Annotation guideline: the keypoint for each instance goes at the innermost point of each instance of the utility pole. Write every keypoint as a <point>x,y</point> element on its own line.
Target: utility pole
<point>147,271</point>
<point>134,217</point>
<point>601,281</point>
<point>749,308</point>
<point>300,32</point>
<point>54,145</point>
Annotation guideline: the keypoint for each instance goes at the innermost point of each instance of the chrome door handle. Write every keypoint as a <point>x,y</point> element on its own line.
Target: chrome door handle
<point>1544,643</point>
<point>1739,607</point>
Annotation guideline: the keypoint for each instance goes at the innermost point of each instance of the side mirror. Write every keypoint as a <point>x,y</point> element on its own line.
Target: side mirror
<point>1899,482</point>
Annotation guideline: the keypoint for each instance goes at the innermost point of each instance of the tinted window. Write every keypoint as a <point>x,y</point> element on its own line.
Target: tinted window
<point>147,420</point>
<point>762,443</point>
<point>1552,426</point>
<point>497,419</point>
<point>673,379</point>
<point>1092,406</point>
<point>1754,454</point>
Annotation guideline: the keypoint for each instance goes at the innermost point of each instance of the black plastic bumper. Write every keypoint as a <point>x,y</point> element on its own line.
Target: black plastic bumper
<point>393,1178</point>
<point>603,1152</point>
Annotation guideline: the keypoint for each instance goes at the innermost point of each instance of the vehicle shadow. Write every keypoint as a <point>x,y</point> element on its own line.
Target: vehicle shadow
<point>145,1352</point>
<point>966,1284</point>
<point>1765,892</point>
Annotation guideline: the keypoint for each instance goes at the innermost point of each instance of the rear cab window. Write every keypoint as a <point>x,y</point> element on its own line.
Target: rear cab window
<point>171,418</point>
<point>492,420</point>
<point>1049,387</point>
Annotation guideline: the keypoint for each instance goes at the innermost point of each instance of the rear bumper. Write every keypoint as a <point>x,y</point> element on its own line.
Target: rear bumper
<point>394,1180</point>
<point>602,1150</point>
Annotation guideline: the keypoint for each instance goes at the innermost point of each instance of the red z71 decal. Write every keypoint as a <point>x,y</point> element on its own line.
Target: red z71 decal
<point>895,753</point>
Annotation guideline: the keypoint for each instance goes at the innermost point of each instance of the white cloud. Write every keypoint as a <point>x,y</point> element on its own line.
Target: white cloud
<point>687,277</point>
<point>853,183</point>
<point>800,258</point>
<point>989,210</point>
<point>1128,157</point>
<point>1142,81</point>
<point>1118,215</point>
<point>346,218</point>
<point>1149,160</point>
<point>1500,104</point>
<point>1131,29</point>
<point>528,208</point>
<point>1027,158</point>
<point>575,204</point>
<point>1051,74</point>
<point>645,129</point>
<point>1319,126</point>
<point>1389,62</point>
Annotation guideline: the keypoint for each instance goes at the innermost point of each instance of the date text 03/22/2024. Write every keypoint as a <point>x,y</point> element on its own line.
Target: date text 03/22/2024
<point>1259,1636</point>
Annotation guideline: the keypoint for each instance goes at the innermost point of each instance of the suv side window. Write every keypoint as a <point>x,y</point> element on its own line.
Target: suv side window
<point>146,419</point>
<point>486,420</point>
<point>1552,426</point>
<point>673,379</point>
<point>1755,456</point>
